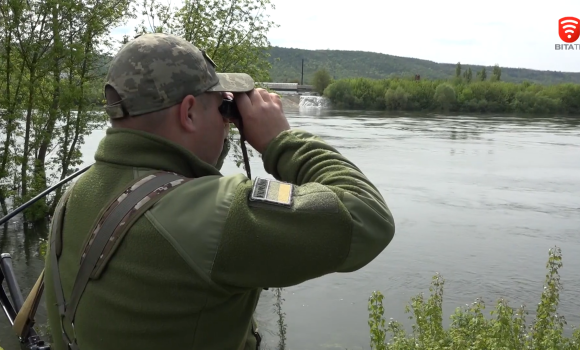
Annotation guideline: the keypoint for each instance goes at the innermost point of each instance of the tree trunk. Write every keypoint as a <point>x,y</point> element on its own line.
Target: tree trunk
<point>40,164</point>
<point>24,168</point>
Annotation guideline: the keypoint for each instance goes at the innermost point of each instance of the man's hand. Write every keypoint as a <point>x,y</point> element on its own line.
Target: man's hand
<point>262,116</point>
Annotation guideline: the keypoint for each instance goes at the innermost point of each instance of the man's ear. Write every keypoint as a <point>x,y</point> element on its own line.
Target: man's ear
<point>187,113</point>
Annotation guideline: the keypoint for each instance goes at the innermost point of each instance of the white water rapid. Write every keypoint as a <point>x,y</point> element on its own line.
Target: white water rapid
<point>314,102</point>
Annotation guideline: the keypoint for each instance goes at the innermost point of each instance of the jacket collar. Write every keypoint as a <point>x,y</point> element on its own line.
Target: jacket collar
<point>127,147</point>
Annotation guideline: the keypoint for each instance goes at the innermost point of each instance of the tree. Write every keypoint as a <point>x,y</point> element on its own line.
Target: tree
<point>458,69</point>
<point>50,52</point>
<point>496,73</point>
<point>468,75</point>
<point>321,80</point>
<point>482,75</point>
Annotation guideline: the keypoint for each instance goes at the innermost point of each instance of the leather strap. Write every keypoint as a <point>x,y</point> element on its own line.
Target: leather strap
<point>244,149</point>
<point>106,231</point>
<point>55,250</point>
<point>123,211</point>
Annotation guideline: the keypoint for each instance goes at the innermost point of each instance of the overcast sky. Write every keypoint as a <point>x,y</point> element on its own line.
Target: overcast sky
<point>511,33</point>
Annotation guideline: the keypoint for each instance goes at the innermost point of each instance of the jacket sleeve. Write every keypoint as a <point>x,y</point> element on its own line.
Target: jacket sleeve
<point>320,215</point>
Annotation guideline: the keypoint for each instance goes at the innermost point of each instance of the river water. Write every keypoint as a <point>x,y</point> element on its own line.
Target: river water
<point>479,199</point>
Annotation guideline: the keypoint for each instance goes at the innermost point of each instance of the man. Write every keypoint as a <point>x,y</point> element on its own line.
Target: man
<point>189,271</point>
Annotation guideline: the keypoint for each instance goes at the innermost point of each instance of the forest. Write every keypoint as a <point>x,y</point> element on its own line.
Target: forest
<point>287,67</point>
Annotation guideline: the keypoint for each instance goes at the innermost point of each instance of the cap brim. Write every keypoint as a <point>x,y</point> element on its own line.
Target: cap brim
<point>233,82</point>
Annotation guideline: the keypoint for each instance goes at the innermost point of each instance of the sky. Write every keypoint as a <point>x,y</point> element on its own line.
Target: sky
<point>511,33</point>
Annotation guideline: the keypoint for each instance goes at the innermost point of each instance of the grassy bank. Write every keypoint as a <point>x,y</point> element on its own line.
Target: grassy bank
<point>506,328</point>
<point>456,95</point>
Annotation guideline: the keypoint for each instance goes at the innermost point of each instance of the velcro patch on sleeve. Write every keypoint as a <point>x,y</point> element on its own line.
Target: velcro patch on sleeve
<point>272,191</point>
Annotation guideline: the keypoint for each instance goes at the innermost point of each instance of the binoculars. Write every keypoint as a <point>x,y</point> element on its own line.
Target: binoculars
<point>229,109</point>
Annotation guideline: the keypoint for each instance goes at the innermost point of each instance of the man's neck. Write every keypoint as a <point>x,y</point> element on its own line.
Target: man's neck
<point>137,148</point>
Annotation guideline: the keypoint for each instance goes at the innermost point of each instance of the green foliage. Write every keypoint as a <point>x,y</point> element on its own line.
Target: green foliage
<point>281,316</point>
<point>468,75</point>
<point>481,76</point>
<point>321,80</point>
<point>456,94</point>
<point>377,321</point>
<point>506,328</point>
<point>445,96</point>
<point>396,98</point>
<point>458,69</point>
<point>51,67</point>
<point>287,64</point>
<point>42,247</point>
<point>357,93</point>
<point>496,73</point>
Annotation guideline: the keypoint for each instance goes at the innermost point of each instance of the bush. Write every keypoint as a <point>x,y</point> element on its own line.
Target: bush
<point>340,93</point>
<point>454,95</point>
<point>445,96</point>
<point>358,93</point>
<point>396,99</point>
<point>470,329</point>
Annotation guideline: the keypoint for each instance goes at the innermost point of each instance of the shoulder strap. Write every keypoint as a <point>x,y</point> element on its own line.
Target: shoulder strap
<point>55,251</point>
<point>117,219</point>
<point>107,232</point>
<point>24,320</point>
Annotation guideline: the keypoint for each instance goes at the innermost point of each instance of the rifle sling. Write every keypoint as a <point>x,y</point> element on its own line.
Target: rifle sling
<point>24,320</point>
<point>135,200</point>
<point>104,235</point>
<point>55,250</point>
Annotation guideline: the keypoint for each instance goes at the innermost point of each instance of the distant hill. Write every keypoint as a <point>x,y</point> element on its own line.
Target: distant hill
<point>286,67</point>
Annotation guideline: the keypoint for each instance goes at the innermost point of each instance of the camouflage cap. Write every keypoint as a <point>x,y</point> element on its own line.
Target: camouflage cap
<point>156,71</point>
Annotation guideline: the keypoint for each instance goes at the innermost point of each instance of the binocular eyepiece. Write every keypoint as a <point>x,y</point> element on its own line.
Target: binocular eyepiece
<point>229,109</point>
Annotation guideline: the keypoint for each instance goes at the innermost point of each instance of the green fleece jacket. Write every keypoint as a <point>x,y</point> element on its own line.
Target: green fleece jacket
<point>189,272</point>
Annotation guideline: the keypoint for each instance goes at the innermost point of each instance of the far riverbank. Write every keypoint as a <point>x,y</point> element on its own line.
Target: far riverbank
<point>454,95</point>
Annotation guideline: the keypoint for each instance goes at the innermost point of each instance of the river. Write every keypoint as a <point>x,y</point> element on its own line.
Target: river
<point>479,199</point>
